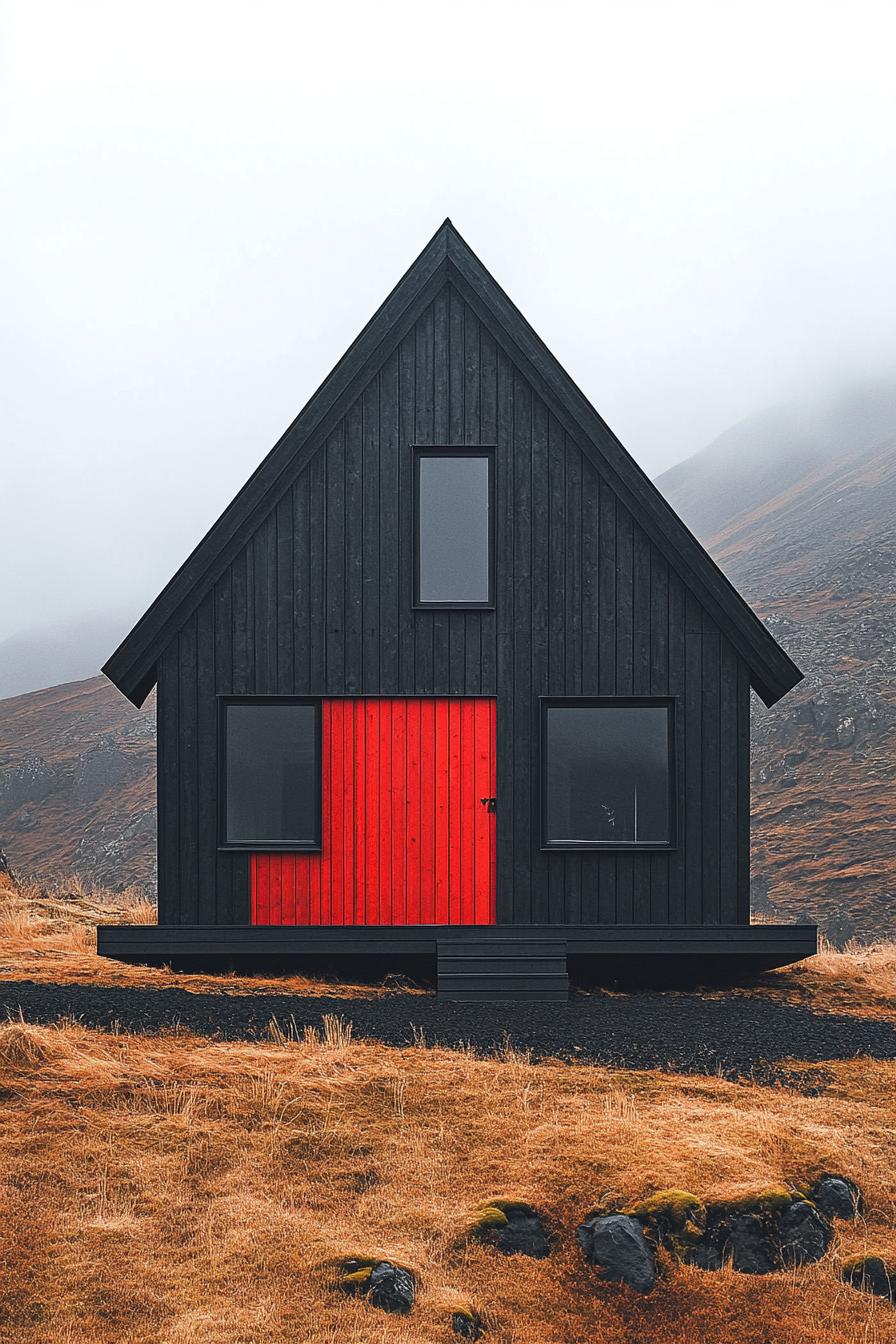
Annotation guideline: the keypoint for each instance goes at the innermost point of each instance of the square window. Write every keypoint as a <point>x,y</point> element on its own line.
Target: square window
<point>271,771</point>
<point>454,527</point>
<point>606,774</point>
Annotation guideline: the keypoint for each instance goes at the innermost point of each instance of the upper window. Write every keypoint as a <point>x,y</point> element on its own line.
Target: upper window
<point>454,527</point>
<point>607,774</point>
<point>271,774</point>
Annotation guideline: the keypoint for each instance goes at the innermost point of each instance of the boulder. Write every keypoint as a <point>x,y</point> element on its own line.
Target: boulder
<point>616,1242</point>
<point>803,1232</point>
<point>751,1244</point>
<point>761,1233</point>
<point>836,1196</point>
<point>385,1285</point>
<point>467,1324</point>
<point>513,1227</point>
<point>391,1288</point>
<point>705,1255</point>
<point>871,1274</point>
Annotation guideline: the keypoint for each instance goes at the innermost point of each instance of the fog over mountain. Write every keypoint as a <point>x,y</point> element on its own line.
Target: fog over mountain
<point>693,204</point>
<point>52,654</point>
<point>762,456</point>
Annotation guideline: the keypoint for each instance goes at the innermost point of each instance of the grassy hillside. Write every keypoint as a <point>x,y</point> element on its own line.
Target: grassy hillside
<point>799,509</point>
<point>168,1189</point>
<point>77,784</point>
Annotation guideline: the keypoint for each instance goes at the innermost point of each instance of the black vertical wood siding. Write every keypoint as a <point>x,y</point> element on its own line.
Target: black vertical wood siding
<point>319,602</point>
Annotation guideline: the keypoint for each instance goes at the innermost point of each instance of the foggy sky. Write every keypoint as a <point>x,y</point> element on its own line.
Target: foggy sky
<point>203,203</point>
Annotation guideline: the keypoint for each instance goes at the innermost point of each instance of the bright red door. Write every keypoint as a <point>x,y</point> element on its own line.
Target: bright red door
<point>407,838</point>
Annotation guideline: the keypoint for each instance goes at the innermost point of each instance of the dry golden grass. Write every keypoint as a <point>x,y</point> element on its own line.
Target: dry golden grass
<point>165,1190</point>
<point>859,979</point>
<point>170,1191</point>
<point>48,933</point>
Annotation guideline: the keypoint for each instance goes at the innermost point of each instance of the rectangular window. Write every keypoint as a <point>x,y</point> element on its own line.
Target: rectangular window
<point>271,774</point>
<point>606,774</point>
<point>454,527</point>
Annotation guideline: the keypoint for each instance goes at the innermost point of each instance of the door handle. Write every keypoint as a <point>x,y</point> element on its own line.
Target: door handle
<point>490,803</point>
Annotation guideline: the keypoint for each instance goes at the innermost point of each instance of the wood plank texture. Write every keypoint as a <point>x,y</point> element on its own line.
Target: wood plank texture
<point>414,790</point>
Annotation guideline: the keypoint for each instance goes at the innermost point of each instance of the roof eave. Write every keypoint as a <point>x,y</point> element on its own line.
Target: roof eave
<point>133,688</point>
<point>772,689</point>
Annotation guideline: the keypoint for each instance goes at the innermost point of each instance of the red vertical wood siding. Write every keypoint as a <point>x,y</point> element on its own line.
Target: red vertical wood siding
<point>406,839</point>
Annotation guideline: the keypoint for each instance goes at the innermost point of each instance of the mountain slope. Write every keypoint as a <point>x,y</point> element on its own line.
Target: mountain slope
<point>811,543</point>
<point>77,784</point>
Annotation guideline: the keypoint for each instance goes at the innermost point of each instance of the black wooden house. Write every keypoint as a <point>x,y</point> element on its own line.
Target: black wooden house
<point>449,680</point>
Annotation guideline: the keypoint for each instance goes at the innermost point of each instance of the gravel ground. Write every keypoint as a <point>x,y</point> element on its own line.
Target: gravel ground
<point>688,1033</point>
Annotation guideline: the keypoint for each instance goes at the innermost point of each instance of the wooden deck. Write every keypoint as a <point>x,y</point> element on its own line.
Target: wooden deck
<point>466,958</point>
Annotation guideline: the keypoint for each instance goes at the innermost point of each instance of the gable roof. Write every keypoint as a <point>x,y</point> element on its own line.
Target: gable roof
<point>132,667</point>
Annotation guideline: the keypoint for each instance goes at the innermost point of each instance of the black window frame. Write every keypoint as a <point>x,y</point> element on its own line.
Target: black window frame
<point>488,451</point>
<point>668,702</point>
<point>269,846</point>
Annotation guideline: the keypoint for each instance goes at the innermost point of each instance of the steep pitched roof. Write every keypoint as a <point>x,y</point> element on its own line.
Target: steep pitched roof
<point>132,667</point>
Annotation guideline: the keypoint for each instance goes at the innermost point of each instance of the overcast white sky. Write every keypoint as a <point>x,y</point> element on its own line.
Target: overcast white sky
<point>695,205</point>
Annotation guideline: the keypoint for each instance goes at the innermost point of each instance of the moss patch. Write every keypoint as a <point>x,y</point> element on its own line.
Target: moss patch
<point>487,1219</point>
<point>508,1206</point>
<point>773,1199</point>
<point>674,1219</point>
<point>357,1279</point>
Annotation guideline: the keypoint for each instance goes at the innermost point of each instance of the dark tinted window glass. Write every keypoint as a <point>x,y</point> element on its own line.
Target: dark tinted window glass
<point>273,793</point>
<point>607,774</point>
<point>453,527</point>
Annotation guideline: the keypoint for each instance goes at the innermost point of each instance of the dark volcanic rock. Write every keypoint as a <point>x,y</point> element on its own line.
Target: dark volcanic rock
<point>616,1243</point>
<point>512,1226</point>
<point>705,1255</point>
<point>836,1197</point>
<point>467,1324</point>
<point>524,1233</point>
<point>753,1251</point>
<point>871,1274</point>
<point>762,1235</point>
<point>805,1234</point>
<point>385,1285</point>
<point>391,1288</point>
